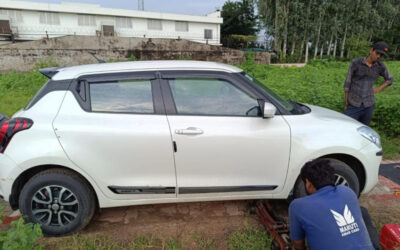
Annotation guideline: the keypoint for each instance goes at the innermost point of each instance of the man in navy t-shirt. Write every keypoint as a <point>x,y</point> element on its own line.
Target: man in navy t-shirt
<point>330,216</point>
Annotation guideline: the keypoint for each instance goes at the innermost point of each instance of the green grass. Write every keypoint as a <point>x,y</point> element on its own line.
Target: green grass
<point>391,147</point>
<point>17,89</point>
<point>250,238</point>
<point>244,238</point>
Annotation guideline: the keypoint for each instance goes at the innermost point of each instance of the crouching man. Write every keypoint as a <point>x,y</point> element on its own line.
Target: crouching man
<point>330,216</point>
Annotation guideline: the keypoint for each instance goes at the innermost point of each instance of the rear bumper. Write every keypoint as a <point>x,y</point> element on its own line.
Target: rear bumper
<point>9,171</point>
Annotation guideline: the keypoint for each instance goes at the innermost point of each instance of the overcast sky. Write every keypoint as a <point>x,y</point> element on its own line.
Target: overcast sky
<point>189,7</point>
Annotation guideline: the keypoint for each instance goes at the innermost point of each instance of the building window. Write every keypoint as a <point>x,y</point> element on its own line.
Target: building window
<point>123,22</point>
<point>13,15</point>
<point>181,26</point>
<point>86,20</point>
<point>154,24</point>
<point>208,34</point>
<point>49,18</point>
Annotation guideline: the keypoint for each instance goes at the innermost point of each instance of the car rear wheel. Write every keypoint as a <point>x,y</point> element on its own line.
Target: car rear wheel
<point>344,175</point>
<point>59,200</point>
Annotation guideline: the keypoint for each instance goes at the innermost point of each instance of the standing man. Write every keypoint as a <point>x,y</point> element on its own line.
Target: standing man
<point>359,85</point>
<point>330,216</point>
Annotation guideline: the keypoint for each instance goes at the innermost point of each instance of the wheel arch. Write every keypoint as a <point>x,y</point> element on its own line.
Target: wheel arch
<point>24,177</point>
<point>353,163</point>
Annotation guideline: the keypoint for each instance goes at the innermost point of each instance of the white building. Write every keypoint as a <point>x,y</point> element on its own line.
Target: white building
<point>32,21</point>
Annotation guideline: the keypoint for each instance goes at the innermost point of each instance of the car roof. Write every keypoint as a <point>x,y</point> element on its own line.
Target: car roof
<point>76,71</point>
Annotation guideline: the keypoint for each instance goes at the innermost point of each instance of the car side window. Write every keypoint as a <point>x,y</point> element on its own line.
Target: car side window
<point>128,96</point>
<point>204,96</point>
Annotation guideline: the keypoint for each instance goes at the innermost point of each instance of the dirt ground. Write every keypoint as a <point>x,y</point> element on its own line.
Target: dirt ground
<point>184,222</point>
<point>211,220</point>
<point>215,220</point>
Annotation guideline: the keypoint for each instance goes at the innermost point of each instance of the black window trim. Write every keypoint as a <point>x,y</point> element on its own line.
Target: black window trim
<point>234,78</point>
<point>162,98</point>
<point>158,105</point>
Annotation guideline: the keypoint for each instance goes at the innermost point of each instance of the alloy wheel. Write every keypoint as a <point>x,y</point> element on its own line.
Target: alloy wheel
<point>55,206</point>
<point>340,180</point>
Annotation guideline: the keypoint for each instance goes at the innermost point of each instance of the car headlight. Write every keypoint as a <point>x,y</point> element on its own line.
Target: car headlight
<point>371,135</point>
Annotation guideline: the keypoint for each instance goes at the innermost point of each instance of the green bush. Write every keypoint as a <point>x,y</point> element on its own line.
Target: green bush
<point>387,115</point>
<point>321,83</point>
<point>20,236</point>
<point>17,89</point>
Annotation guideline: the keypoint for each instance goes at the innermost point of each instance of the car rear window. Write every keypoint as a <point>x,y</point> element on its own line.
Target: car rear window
<point>128,96</point>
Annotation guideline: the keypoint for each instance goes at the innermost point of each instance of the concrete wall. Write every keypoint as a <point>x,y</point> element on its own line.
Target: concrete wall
<point>75,50</point>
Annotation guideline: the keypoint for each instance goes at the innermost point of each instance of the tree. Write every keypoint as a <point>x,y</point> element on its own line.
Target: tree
<point>348,27</point>
<point>239,19</point>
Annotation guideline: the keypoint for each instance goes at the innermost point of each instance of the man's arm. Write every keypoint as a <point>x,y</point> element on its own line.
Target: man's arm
<point>347,84</point>
<point>388,80</point>
<point>296,228</point>
<point>380,88</point>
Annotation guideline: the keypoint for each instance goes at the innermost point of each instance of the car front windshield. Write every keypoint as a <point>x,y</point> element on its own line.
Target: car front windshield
<point>287,105</point>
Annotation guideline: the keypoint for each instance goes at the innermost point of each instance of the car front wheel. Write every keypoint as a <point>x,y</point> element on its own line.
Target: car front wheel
<point>59,200</point>
<point>344,175</point>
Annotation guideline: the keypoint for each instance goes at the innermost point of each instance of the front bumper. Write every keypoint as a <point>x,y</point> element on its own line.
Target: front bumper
<point>371,157</point>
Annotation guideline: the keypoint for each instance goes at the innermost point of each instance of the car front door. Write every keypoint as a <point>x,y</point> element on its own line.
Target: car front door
<point>115,129</point>
<point>222,144</point>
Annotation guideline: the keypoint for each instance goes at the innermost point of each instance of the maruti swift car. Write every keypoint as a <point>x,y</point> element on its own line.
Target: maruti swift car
<point>147,132</point>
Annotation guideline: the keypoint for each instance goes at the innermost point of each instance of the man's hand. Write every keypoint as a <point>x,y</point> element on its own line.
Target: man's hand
<point>298,244</point>
<point>380,88</point>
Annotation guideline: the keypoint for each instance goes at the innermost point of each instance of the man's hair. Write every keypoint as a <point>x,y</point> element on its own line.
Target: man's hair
<point>319,172</point>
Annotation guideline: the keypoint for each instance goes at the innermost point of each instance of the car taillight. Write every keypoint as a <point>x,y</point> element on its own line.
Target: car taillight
<point>10,127</point>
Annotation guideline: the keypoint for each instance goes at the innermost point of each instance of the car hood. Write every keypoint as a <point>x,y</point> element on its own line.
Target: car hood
<point>329,115</point>
<point>323,126</point>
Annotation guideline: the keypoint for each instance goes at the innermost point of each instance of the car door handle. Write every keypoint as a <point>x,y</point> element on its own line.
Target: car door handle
<point>189,131</point>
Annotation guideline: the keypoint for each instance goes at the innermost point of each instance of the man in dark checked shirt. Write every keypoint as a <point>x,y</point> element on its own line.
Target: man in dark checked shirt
<point>359,85</point>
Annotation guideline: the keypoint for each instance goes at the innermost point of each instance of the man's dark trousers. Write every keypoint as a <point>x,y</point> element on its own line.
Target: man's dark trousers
<point>362,114</point>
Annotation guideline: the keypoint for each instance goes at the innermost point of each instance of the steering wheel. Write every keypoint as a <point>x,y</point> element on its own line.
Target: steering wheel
<point>251,109</point>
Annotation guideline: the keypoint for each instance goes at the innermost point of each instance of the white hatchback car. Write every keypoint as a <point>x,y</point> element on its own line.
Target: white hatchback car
<point>147,132</point>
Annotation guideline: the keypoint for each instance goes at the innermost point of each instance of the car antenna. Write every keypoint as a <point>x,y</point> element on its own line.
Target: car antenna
<point>98,60</point>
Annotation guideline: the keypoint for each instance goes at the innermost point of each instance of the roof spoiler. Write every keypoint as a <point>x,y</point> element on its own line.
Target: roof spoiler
<point>50,72</point>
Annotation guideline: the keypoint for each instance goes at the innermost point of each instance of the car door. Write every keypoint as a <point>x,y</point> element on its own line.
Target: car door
<point>222,143</point>
<point>115,129</point>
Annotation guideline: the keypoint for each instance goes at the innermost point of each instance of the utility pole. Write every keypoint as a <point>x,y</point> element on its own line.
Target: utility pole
<point>141,5</point>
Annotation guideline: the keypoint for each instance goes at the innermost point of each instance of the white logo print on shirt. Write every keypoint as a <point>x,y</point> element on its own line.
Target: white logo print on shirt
<point>346,222</point>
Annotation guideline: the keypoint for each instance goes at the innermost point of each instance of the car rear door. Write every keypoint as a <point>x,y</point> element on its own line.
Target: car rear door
<point>223,145</point>
<point>115,129</point>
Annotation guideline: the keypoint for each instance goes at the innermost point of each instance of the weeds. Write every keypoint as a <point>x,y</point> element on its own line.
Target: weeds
<point>21,235</point>
<point>250,238</point>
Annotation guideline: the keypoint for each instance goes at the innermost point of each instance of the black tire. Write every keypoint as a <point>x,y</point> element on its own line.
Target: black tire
<point>341,169</point>
<point>67,208</point>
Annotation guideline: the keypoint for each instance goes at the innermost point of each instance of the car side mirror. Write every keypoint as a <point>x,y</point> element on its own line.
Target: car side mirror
<point>269,110</point>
